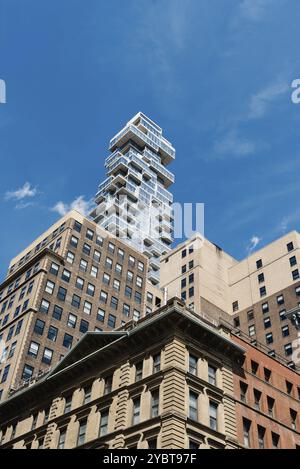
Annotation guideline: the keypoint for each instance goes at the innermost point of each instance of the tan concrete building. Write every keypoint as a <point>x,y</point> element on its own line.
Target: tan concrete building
<point>74,278</point>
<point>165,382</point>
<point>256,292</point>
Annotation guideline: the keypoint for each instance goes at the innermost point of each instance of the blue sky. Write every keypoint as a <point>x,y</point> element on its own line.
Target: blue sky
<point>215,74</point>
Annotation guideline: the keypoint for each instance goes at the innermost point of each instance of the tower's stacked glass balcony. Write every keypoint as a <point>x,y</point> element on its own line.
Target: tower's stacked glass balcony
<point>134,201</point>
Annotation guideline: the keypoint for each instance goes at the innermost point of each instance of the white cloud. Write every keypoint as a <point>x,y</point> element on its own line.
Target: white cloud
<point>255,10</point>
<point>21,193</point>
<point>233,145</point>
<point>253,243</point>
<point>80,204</point>
<point>260,101</point>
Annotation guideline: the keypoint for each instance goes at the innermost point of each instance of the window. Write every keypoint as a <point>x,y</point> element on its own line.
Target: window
<point>12,349</point>
<point>254,367</point>
<point>261,278</point>
<point>262,291</point>
<point>126,309</point>
<point>295,274</point>
<point>282,315</point>
<point>114,302</point>
<point>81,432</point>
<point>70,257</point>
<point>183,253</point>
<point>79,283</point>
<point>191,278</point>
<point>77,226</point>
<point>52,333</point>
<point>68,404</point>
<point>213,415</point>
<point>236,322</point>
<point>269,338</point>
<point>289,387</point>
<point>152,444</point>
<point>259,264</point>
<point>138,297</point>
<point>66,276</point>
<point>293,261</point>
<point>100,315</point>
<point>243,391</point>
<point>265,307</point>
<point>261,436</point>
<point>257,396</point>
<point>288,349</point>
<point>61,294</point>
<point>118,269</point>
<point>19,327</point>
<point>191,292</point>
<point>106,279</point>
<point>103,297</point>
<point>267,322</point>
<point>76,301</point>
<point>285,331</point>
<point>45,305</point>
<point>131,261</point>
<point>99,240</point>
<point>139,281</point>
<point>149,297</point>
<point>33,349</point>
<point>297,291</point>
<point>193,405</point>
<point>235,306</point>
<point>154,403</point>
<point>290,246</point>
<point>47,356</point>
<point>54,269</point>
<point>86,249</point>
<point>271,403</point>
<point>183,283</point>
<point>111,247</point>
<point>280,300</point>
<point>191,265</point>
<point>83,265</point>
<point>121,253</point>
<point>87,395</point>
<point>49,287</point>
<point>62,439</point>
<point>136,410</point>
<point>90,289</point>
<point>212,375</point>
<point>183,269</point>
<point>108,384</point>
<point>128,291</point>
<point>111,320</point>
<point>27,372</point>
<point>108,263</point>
<point>74,241</point>
<point>89,234</point>
<point>5,374</point>
<point>104,422</point>
<point>250,315</point>
<point>141,266</point>
<point>116,285</point>
<point>252,331</point>
<point>156,363</point>
<point>293,415</point>
<point>183,295</point>
<point>72,320</point>
<point>57,312</point>
<point>39,327</point>
<point>84,326</point>
<point>267,374</point>
<point>139,371</point>
<point>246,432</point>
<point>275,440</point>
<point>136,315</point>
<point>68,340</point>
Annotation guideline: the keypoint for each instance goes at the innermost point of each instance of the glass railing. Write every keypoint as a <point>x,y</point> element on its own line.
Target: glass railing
<point>161,169</point>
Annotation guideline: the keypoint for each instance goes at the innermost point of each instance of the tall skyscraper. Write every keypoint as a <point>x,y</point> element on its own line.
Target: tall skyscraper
<point>133,202</point>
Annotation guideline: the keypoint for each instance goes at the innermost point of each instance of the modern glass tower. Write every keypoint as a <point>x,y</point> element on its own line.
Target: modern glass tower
<point>133,202</point>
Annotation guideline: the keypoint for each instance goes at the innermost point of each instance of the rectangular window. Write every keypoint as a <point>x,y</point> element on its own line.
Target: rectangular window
<point>66,276</point>
<point>39,327</point>
<point>86,249</point>
<point>285,331</point>
<point>136,315</point>
<point>62,439</point>
<point>118,269</point>
<point>87,307</point>
<point>84,326</point>
<point>280,300</point>
<point>246,431</point>
<point>79,283</point>
<point>74,241</point>
<point>103,297</point>
<point>138,371</point>
<point>5,374</point>
<point>262,291</point>
<point>155,403</point>
<point>267,322</point>
<point>156,363</point>
<point>141,266</point>
<point>68,340</point>
<point>243,391</point>
<point>33,349</point>
<point>27,372</point>
<point>293,261</point>
<point>57,312</point>
<point>212,375</point>
<point>76,301</point>
<point>100,315</point>
<point>290,246</point>
<point>261,437</point>
<point>89,234</point>
<point>282,315</point>
<point>47,356</point>
<point>54,268</point>
<point>114,302</point>
<point>288,350</point>
<point>193,364</point>
<point>259,264</point>
<point>250,315</point>
<point>72,320</point>
<point>87,395</point>
<point>111,248</point>
<point>261,278</point>
<point>108,384</point>
<point>52,333</point>
<point>108,263</point>
<point>136,411</point>
<point>271,404</point>
<point>131,261</point>
<point>275,440</point>
<point>126,310</point>
<point>90,289</point>
<point>257,397</point>
<point>83,265</point>
<point>77,226</point>
<point>61,294</point>
<point>45,305</point>
<point>104,422</point>
<point>70,257</point>
<point>193,405</point>
<point>94,271</point>
<point>49,288</point>
<point>295,274</point>
<point>269,338</point>
<point>252,330</point>
<point>139,281</point>
<point>235,306</point>
<point>128,291</point>
<point>138,297</point>
<point>213,415</point>
<point>111,320</point>
<point>82,432</point>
